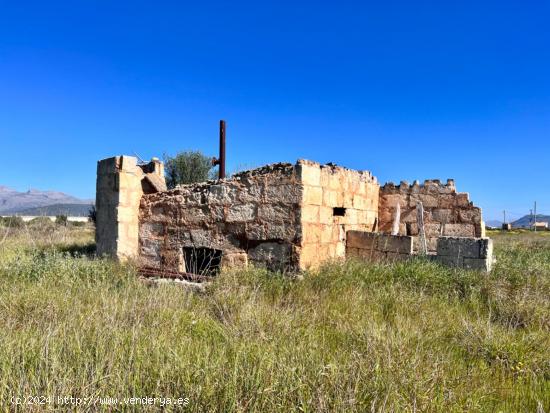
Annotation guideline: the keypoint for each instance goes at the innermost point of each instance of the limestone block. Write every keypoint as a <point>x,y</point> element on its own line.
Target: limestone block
<point>450,261</point>
<point>360,202</point>
<point>330,198</point>
<point>395,243</point>
<point>255,193</point>
<point>200,238</point>
<point>470,215</point>
<point>287,194</point>
<point>128,163</point>
<point>459,230</point>
<point>328,234</point>
<point>395,256</point>
<point>156,181</point>
<point>326,215</point>
<point>273,255</point>
<point>308,256</point>
<point>219,194</point>
<point>310,213</point>
<point>480,264</point>
<point>256,231</point>
<point>339,250</point>
<point>431,244</point>
<point>283,231</point>
<point>442,215</point>
<point>462,199</point>
<point>311,233</point>
<point>362,240</point>
<point>432,229</point>
<point>465,247</point>
<point>391,201</point>
<point>310,174</point>
<point>350,217</point>
<point>126,214</point>
<point>362,188</point>
<point>458,247</point>
<point>428,201</point>
<point>347,199</point>
<point>407,215</point>
<point>234,260</point>
<point>362,216</point>
<point>274,213</point>
<point>150,247</point>
<point>313,195</point>
<point>241,213</point>
<point>151,230</point>
<point>446,201</point>
<point>334,181</point>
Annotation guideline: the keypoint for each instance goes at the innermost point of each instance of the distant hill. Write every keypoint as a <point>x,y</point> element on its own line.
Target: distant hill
<point>13,202</point>
<point>70,210</point>
<point>493,223</point>
<point>525,221</point>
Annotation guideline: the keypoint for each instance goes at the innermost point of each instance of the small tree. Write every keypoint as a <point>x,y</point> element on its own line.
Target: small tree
<point>187,167</point>
<point>61,220</point>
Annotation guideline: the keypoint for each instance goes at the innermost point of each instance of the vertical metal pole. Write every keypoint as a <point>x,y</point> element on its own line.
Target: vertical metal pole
<point>535,222</point>
<point>222,150</point>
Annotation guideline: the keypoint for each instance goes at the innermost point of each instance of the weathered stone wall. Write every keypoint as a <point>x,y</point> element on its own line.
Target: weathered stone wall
<point>469,253</point>
<point>252,217</point>
<point>120,184</point>
<point>335,201</point>
<point>378,247</point>
<point>446,212</point>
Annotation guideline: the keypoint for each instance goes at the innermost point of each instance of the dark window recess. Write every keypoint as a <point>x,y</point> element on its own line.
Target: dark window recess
<point>202,261</point>
<point>339,212</point>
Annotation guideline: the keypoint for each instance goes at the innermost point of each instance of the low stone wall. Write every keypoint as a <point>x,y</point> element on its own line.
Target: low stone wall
<point>460,252</point>
<point>469,253</point>
<point>446,212</point>
<point>376,247</point>
<point>252,217</point>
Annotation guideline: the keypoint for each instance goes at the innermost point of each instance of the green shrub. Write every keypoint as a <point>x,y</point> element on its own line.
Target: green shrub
<point>61,220</point>
<point>12,222</point>
<point>187,168</point>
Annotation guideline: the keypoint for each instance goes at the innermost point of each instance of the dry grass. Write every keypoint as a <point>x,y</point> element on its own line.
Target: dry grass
<point>351,337</point>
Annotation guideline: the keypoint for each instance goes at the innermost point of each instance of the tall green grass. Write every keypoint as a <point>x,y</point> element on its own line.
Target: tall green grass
<point>350,337</point>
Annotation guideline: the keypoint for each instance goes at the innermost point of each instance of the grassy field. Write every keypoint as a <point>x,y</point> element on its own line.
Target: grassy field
<point>350,337</point>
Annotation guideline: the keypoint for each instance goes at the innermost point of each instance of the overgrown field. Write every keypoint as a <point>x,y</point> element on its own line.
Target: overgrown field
<point>350,337</point>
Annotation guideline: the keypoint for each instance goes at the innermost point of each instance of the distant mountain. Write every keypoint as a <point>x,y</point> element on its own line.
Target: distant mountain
<point>12,201</point>
<point>525,222</point>
<point>494,223</point>
<point>70,210</point>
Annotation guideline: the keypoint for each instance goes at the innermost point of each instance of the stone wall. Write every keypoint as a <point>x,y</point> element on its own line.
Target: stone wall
<point>284,216</point>
<point>120,184</point>
<point>378,247</point>
<point>469,253</point>
<point>335,201</point>
<point>446,212</point>
<point>252,217</point>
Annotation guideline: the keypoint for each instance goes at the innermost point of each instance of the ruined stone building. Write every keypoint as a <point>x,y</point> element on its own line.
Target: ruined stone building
<point>283,216</point>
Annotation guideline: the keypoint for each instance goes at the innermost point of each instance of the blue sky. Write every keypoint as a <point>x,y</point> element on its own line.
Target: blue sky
<point>408,90</point>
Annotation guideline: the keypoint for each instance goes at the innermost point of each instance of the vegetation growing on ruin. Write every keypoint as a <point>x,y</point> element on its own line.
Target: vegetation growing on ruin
<point>350,337</point>
<point>187,167</point>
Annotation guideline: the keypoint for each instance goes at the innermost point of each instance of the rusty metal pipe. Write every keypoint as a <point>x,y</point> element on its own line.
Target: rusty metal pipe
<point>221,173</point>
